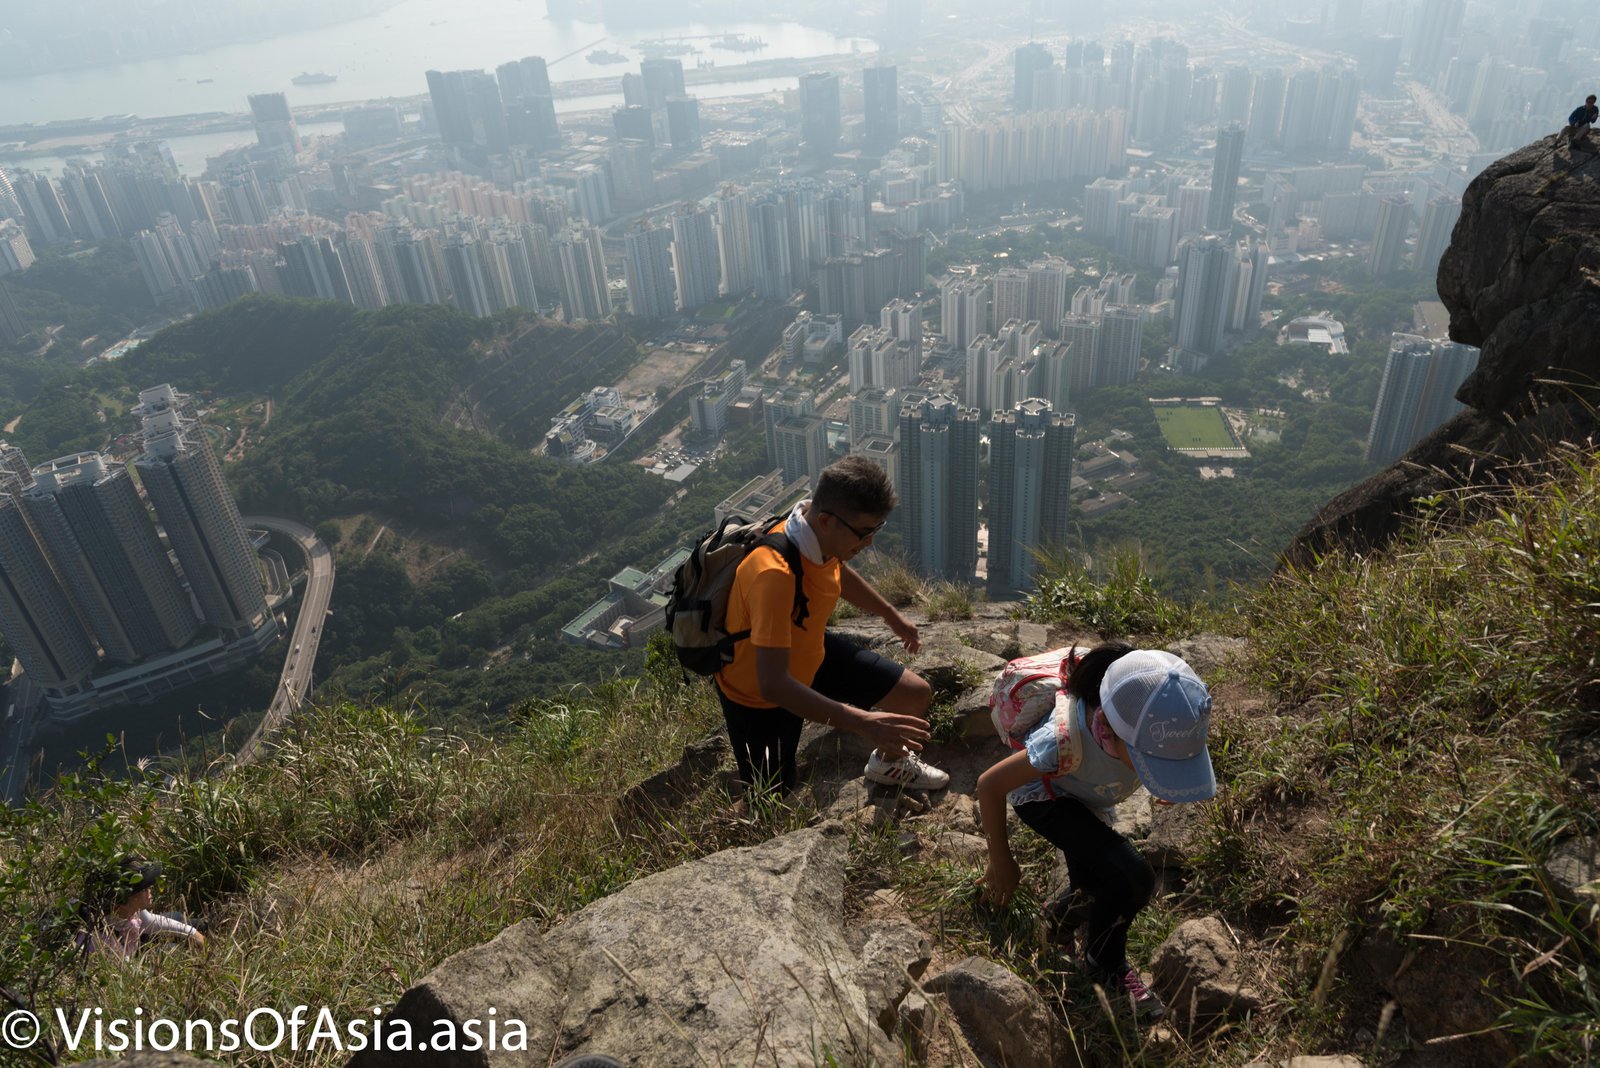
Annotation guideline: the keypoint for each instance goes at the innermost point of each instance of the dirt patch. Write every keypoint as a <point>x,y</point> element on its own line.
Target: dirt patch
<point>667,367</point>
<point>420,551</point>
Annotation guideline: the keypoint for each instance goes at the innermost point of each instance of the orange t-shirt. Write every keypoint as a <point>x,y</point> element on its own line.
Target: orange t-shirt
<point>762,600</point>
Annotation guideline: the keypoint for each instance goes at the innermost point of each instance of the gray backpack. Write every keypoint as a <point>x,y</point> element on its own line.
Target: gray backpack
<point>697,609</point>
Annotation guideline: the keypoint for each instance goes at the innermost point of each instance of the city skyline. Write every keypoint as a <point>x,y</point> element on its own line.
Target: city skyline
<point>1208,172</point>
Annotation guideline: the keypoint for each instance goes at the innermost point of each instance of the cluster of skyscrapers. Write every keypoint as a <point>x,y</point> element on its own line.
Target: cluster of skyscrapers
<point>1220,289</point>
<point>92,602</point>
<point>930,445</point>
<point>1308,114</point>
<point>479,114</point>
<point>936,470</point>
<point>1018,383</point>
<point>1420,380</point>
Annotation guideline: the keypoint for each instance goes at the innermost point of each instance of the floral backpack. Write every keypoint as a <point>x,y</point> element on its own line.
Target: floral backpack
<point>1025,692</point>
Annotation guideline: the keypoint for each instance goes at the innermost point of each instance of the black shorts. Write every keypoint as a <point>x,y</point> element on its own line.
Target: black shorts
<point>765,739</point>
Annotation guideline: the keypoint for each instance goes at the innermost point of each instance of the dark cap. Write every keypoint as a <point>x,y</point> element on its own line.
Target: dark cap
<point>137,874</point>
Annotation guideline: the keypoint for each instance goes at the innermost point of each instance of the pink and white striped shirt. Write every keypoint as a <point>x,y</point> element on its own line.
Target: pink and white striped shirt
<point>122,940</point>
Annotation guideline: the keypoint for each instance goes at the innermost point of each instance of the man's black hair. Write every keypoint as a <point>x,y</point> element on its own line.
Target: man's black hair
<point>854,485</point>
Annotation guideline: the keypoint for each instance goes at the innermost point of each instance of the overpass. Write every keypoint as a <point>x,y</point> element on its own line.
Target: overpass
<point>295,681</point>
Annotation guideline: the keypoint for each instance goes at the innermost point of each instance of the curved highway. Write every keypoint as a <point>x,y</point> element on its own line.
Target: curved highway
<point>295,681</point>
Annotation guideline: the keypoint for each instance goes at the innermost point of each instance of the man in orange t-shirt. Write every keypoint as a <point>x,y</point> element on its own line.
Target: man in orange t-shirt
<point>787,672</point>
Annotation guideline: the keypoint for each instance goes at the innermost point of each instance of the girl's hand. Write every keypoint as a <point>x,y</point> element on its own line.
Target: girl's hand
<point>1000,880</point>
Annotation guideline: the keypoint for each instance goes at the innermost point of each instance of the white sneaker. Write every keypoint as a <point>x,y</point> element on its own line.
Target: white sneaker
<point>909,771</point>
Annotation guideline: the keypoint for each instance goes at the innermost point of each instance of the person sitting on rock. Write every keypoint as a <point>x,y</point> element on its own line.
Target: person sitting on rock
<point>1131,717</point>
<point>789,671</point>
<point>1579,122</point>
<point>121,898</point>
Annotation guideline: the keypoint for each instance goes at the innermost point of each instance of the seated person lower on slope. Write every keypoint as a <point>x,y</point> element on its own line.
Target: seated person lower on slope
<point>789,670</point>
<point>119,899</point>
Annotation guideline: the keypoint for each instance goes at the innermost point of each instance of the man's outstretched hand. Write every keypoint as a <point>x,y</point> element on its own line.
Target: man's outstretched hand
<point>894,733</point>
<point>906,631</point>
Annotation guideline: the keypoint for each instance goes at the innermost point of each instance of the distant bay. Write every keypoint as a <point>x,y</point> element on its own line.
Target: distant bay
<point>386,55</point>
<point>190,151</point>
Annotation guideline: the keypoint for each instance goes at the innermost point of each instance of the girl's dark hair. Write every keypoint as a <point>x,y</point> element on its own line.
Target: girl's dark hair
<point>1084,682</point>
<point>106,888</point>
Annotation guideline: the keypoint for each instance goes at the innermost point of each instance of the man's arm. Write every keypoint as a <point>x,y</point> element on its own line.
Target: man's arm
<point>859,592</point>
<point>889,732</point>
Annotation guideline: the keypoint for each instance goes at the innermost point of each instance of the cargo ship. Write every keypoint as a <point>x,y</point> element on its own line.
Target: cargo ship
<point>318,78</point>
<point>601,55</point>
<point>666,47</point>
<point>737,42</point>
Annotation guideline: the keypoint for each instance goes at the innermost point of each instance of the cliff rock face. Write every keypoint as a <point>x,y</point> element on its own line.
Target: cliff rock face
<point>738,958</point>
<point>1522,281</point>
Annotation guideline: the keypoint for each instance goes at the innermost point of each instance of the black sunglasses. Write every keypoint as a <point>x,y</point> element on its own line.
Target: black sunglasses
<point>862,534</point>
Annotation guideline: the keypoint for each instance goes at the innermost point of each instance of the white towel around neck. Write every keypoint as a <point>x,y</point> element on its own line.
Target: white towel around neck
<point>800,533</point>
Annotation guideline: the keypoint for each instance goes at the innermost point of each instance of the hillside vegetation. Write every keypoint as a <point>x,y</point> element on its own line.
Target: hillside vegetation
<point>1423,734</point>
<point>424,419</point>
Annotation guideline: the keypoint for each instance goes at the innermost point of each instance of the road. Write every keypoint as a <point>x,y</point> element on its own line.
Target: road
<point>23,701</point>
<point>295,681</point>
<point>964,81</point>
<point>1448,133</point>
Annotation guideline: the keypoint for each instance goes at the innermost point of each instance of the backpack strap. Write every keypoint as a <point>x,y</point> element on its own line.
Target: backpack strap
<point>779,543</point>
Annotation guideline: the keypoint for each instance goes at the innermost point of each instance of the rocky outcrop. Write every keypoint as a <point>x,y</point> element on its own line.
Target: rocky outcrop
<point>1197,968</point>
<point>751,955</point>
<point>1003,1019</point>
<point>1522,281</point>
<point>739,958</point>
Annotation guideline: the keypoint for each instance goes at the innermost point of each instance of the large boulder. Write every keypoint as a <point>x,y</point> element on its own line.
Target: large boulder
<point>1574,870</point>
<point>741,957</point>
<point>1197,970</point>
<point>1003,1019</point>
<point>1519,280</point>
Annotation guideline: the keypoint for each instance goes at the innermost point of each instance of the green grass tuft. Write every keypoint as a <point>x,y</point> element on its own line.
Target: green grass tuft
<point>1415,783</point>
<point>1118,600</point>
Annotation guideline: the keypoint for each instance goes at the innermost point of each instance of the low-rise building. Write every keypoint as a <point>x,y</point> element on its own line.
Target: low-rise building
<point>768,494</point>
<point>635,604</point>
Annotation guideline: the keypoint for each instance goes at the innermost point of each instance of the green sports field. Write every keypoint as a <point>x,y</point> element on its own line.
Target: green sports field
<point>1194,427</point>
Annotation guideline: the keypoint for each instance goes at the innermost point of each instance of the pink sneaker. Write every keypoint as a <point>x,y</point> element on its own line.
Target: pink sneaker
<point>1146,1005</point>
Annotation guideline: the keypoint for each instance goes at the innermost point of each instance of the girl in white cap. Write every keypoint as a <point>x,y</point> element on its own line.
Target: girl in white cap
<point>1130,717</point>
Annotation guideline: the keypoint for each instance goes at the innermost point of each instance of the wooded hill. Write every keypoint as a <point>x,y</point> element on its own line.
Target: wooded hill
<point>430,419</point>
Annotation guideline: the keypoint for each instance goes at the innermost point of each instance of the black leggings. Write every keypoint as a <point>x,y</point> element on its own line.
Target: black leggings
<point>765,740</point>
<point>1101,865</point>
